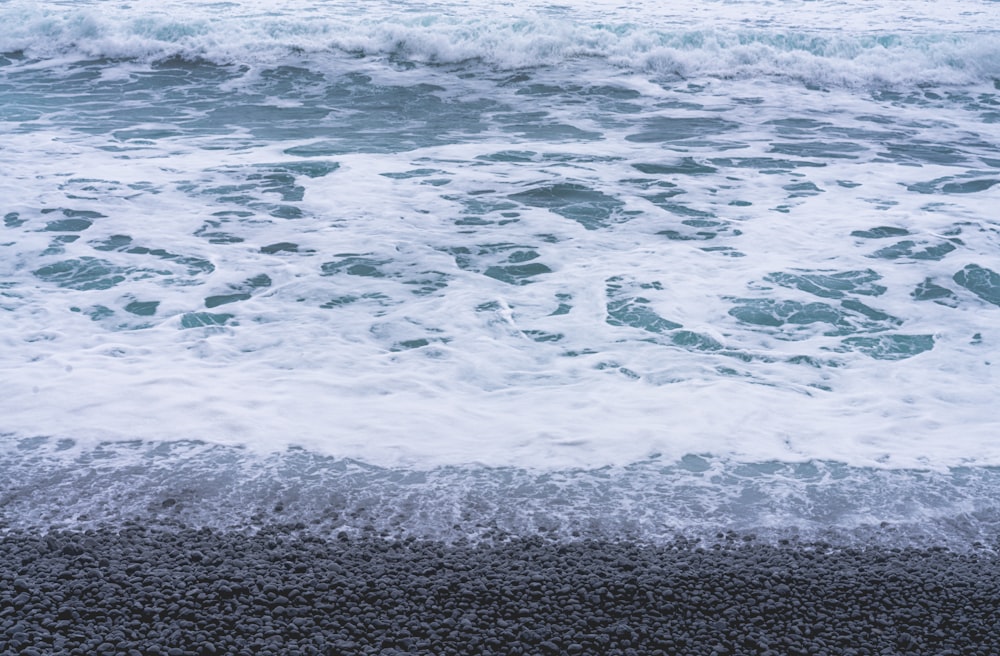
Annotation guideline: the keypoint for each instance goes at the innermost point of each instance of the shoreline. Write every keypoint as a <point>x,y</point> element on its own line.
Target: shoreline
<point>138,589</point>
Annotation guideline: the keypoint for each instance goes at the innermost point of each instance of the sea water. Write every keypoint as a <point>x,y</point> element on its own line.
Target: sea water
<point>444,268</point>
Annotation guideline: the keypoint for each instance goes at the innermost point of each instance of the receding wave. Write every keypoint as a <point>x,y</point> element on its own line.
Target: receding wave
<point>61,484</point>
<point>820,57</point>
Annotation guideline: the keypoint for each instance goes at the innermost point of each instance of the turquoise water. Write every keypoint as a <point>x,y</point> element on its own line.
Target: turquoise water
<point>488,245</point>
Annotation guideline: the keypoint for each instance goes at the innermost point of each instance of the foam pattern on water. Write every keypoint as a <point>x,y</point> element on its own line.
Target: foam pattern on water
<point>549,238</point>
<point>56,484</point>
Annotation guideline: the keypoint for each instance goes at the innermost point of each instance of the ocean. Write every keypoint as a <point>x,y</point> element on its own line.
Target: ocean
<point>455,270</point>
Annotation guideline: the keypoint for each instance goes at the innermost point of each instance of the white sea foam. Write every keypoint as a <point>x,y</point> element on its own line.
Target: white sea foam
<point>437,182</point>
<point>294,374</point>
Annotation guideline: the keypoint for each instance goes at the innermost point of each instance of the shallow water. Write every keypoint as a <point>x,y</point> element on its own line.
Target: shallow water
<point>491,246</point>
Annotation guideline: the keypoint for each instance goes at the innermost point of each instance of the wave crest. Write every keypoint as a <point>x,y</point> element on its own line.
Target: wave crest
<point>821,57</point>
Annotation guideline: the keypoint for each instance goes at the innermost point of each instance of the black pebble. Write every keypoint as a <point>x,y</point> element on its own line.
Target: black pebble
<point>185,592</point>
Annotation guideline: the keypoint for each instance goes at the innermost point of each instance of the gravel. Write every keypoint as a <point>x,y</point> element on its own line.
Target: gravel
<point>173,591</point>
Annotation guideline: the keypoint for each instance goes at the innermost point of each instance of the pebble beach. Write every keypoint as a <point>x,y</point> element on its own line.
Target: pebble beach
<point>176,591</point>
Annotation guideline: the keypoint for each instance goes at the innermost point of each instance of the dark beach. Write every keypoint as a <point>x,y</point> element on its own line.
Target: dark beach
<point>175,591</point>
